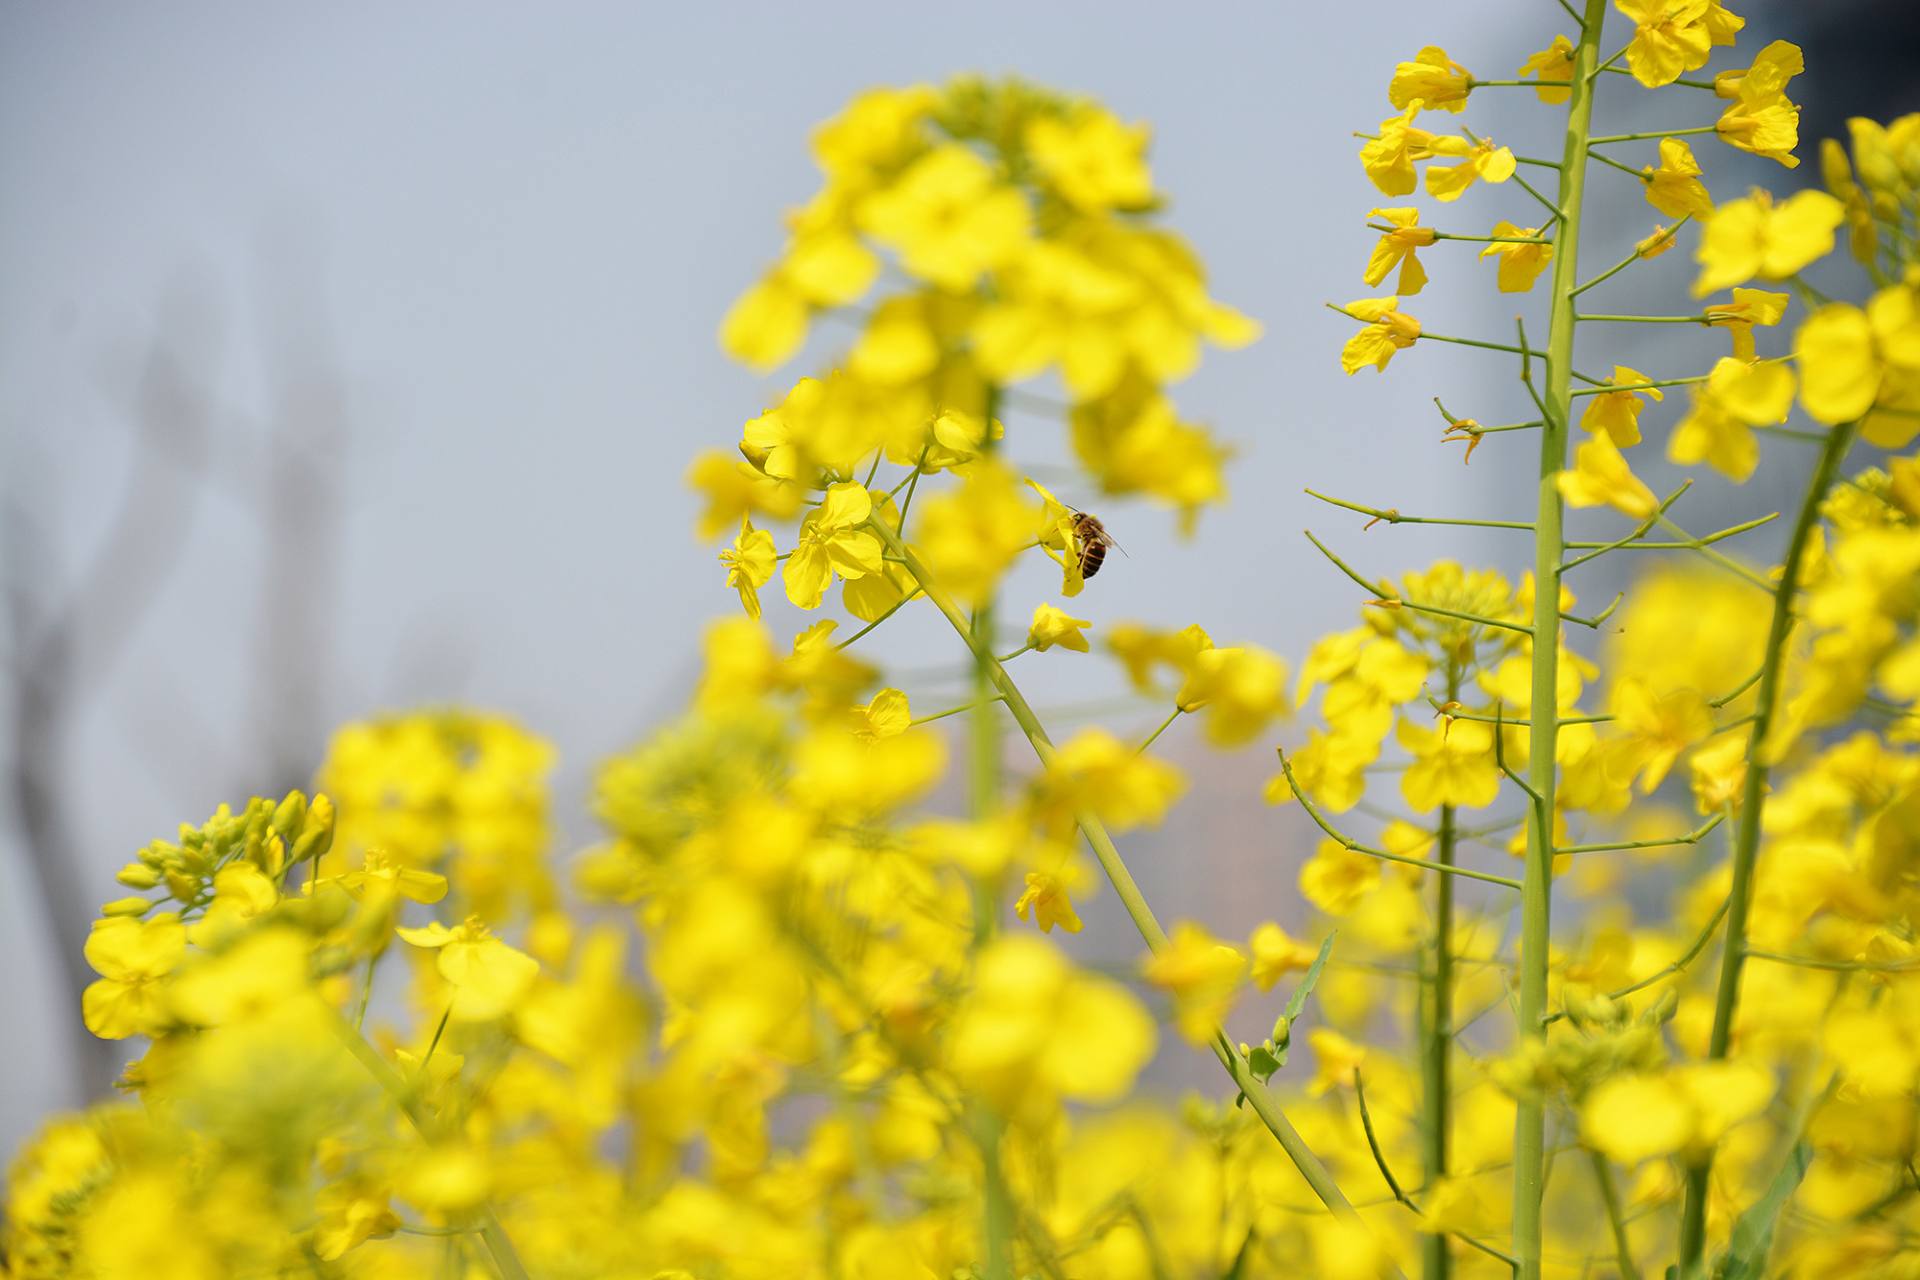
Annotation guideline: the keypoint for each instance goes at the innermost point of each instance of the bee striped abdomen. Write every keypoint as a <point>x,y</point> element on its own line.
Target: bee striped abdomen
<point>1093,554</point>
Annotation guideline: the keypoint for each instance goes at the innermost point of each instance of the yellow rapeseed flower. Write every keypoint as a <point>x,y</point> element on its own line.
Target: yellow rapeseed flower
<point>1520,264</point>
<point>749,564</point>
<point>1201,974</point>
<point>1600,477</point>
<point>1396,249</point>
<point>1387,330</point>
<point>1052,626</point>
<point>1752,237</point>
<point>1617,413</point>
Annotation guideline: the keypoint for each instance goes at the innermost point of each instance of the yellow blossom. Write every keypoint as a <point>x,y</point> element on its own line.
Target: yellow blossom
<point>1389,158</point>
<point>1687,1110</point>
<point>1658,726</point>
<point>832,541</point>
<point>1738,396</point>
<point>1046,898</point>
<point>1452,765</point>
<point>1386,331</point>
<point>949,216</point>
<point>133,958</point>
<point>885,716</point>
<point>1051,626</point>
<point>1201,974</point>
<point>1336,1060</point>
<point>1617,413</point>
<point>1094,770</point>
<point>1752,237</point>
<point>1674,188</point>
<point>1520,263</point>
<point>1600,477</point>
<point>1276,954</point>
<point>1850,358</point>
<point>1760,118</point>
<point>1670,38</point>
<point>1336,878</point>
<point>766,325</point>
<point>1479,162</point>
<point>1747,309</point>
<point>1241,690</point>
<point>1432,79</point>
<point>1397,249</point>
<point>970,537</point>
<point>382,876</point>
<point>749,564</point>
<point>1092,159</point>
<point>1554,66</point>
<point>1021,1033</point>
<point>735,488</point>
<point>488,977</point>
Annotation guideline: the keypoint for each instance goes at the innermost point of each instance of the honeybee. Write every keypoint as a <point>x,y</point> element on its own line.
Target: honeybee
<point>1090,542</point>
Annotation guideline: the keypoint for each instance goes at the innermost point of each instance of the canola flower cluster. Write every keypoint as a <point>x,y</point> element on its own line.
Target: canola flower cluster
<point>1617,977</point>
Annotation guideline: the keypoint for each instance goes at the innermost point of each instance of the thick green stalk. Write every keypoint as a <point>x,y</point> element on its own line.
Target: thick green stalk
<point>983,786</point>
<point>1135,902</point>
<point>1753,793</point>
<point>1536,894</point>
<point>1436,1025</point>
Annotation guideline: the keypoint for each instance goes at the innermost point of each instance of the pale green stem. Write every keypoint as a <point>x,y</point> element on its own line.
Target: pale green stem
<point>1258,1096</point>
<point>1746,840</point>
<point>1536,894</point>
<point>983,780</point>
<point>1630,259</point>
<point>366,992</point>
<point>1436,1047</point>
<point>897,605</point>
<point>1610,1196</point>
<point>1651,133</point>
<point>1155,735</point>
<point>917,721</point>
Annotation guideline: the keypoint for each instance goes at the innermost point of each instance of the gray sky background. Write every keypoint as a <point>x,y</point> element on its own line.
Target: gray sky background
<point>510,233</point>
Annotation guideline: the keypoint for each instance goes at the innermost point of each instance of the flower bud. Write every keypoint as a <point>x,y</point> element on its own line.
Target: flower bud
<point>1282,1032</point>
<point>138,875</point>
<point>290,815</point>
<point>316,834</point>
<point>126,907</point>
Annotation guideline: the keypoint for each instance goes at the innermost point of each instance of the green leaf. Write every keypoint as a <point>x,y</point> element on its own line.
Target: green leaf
<point>1298,1001</point>
<point>1262,1063</point>
<point>1746,1255</point>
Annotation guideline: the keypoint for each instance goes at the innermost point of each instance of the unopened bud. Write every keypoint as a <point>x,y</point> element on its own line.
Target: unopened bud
<point>290,815</point>
<point>1282,1031</point>
<point>316,834</point>
<point>138,875</point>
<point>126,907</point>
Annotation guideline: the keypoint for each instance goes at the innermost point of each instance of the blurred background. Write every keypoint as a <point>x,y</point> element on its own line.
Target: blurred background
<point>351,357</point>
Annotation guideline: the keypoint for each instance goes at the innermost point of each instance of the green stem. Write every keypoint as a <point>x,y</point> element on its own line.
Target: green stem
<point>1651,133</point>
<point>1620,319</point>
<point>898,605</point>
<point>983,782</point>
<point>1155,735</point>
<point>1436,1262</point>
<point>1746,840</point>
<point>1391,515</point>
<point>1610,1196</point>
<point>1630,259</point>
<point>917,721</point>
<point>1536,893</point>
<point>1258,1096</point>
